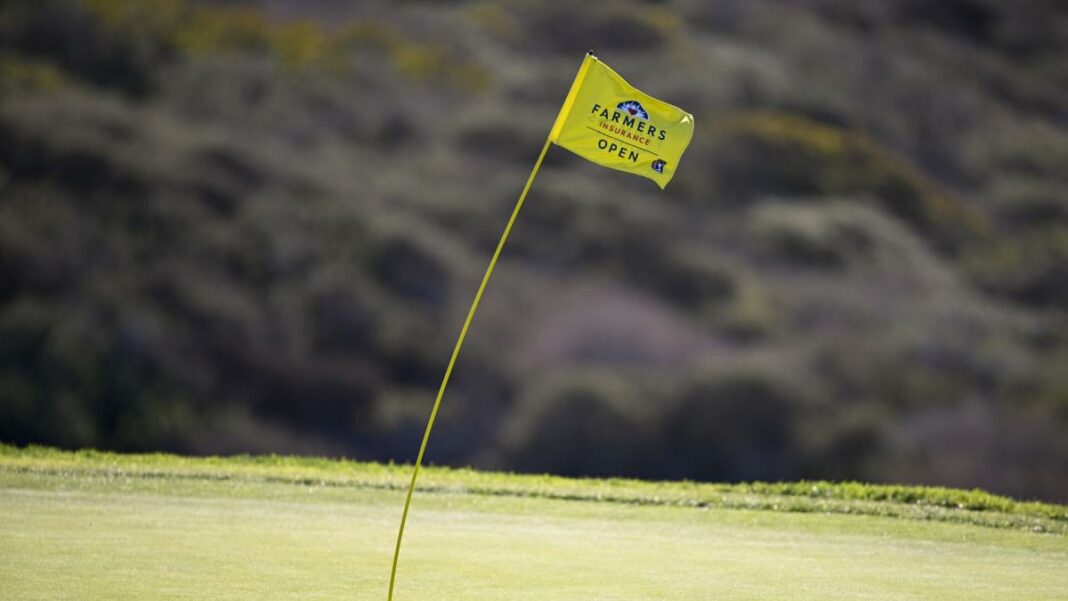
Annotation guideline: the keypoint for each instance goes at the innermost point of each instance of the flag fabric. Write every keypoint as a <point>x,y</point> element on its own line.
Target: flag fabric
<point>608,121</point>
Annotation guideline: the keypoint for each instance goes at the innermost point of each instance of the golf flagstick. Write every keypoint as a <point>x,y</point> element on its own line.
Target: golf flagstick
<point>452,360</point>
<point>631,132</point>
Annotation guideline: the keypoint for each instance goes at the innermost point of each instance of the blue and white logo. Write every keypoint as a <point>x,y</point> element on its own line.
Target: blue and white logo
<point>633,108</point>
<point>658,165</point>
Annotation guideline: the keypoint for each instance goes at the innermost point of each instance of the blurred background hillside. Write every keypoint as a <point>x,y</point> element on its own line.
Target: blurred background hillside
<point>256,226</point>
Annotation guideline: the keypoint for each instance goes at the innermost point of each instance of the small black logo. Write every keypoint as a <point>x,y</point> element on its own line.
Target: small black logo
<point>658,165</point>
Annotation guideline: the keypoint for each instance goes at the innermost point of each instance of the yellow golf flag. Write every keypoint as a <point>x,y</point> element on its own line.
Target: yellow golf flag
<point>608,121</point>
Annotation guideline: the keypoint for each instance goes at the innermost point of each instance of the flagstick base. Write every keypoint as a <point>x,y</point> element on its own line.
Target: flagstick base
<point>452,360</point>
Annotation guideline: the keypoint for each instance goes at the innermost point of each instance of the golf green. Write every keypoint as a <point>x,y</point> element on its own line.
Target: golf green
<point>75,527</point>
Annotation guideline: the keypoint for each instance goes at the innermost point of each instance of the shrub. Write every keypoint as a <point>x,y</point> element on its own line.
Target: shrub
<point>1011,452</point>
<point>733,426</point>
<point>606,29</point>
<point>22,73</point>
<point>810,237</point>
<point>1023,202</point>
<point>79,41</point>
<point>688,275</point>
<point>410,270</point>
<point>782,155</point>
<point>1031,267</point>
<point>579,424</point>
<point>501,142</point>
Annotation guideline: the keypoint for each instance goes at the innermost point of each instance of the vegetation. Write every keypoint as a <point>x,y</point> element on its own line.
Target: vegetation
<point>250,227</point>
<point>277,527</point>
<point>910,502</point>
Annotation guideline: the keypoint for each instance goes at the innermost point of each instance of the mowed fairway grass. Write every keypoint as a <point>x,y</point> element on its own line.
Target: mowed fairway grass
<point>103,526</point>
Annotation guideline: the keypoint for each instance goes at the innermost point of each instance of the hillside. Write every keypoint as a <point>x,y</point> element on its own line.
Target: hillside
<point>255,227</point>
<point>102,526</point>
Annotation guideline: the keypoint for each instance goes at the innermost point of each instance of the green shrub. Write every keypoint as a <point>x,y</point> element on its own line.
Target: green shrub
<point>691,276</point>
<point>1031,268</point>
<point>70,35</point>
<point>1022,202</point>
<point>500,141</point>
<point>566,30</point>
<point>584,423</point>
<point>810,237</point>
<point>32,74</point>
<point>409,270</point>
<point>782,155</point>
<point>734,425</point>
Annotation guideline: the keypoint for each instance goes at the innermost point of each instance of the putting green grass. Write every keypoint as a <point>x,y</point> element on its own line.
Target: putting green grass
<point>103,526</point>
